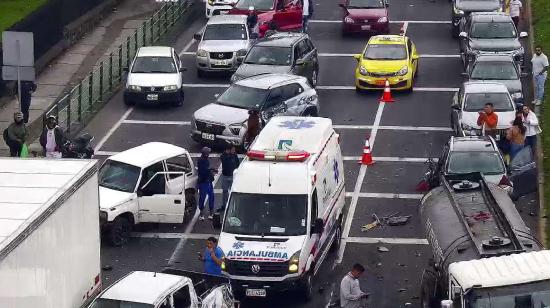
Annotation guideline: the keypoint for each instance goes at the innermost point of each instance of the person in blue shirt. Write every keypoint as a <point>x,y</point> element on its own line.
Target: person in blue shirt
<point>230,162</point>
<point>212,258</point>
<point>204,182</point>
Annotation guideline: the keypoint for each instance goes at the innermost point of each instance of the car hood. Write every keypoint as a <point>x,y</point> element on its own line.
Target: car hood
<point>110,197</point>
<point>223,45</point>
<point>217,113</point>
<point>248,70</point>
<point>478,6</point>
<point>248,247</point>
<point>504,119</point>
<point>512,85</point>
<point>383,66</point>
<point>507,44</point>
<point>154,80</point>
<point>367,13</point>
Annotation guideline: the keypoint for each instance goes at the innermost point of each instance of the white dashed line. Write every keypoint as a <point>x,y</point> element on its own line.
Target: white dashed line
<point>157,122</point>
<point>385,195</point>
<point>172,235</point>
<point>388,240</point>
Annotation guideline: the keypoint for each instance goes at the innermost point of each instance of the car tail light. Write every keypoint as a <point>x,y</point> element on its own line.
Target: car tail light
<point>278,156</point>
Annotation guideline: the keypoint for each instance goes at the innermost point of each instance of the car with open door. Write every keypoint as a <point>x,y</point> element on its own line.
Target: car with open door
<point>365,16</point>
<point>523,173</point>
<point>151,183</point>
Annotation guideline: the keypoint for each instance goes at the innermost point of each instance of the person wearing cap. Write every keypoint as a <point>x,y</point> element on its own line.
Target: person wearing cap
<point>204,182</point>
<point>16,134</point>
<point>52,138</point>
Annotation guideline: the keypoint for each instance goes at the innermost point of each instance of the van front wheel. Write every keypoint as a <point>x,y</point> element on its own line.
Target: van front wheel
<point>306,287</point>
<point>119,231</point>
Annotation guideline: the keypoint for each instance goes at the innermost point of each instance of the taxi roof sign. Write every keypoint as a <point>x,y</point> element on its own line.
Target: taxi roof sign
<point>388,38</point>
<point>293,134</point>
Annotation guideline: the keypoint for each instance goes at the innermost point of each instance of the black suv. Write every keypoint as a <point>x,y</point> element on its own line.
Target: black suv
<point>462,8</point>
<point>490,33</point>
<point>281,52</point>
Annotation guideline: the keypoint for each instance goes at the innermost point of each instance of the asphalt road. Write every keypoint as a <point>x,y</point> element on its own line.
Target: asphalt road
<point>403,135</point>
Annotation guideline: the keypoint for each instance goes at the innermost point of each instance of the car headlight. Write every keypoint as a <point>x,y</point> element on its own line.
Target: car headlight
<point>383,19</point>
<point>201,53</point>
<point>211,2</point>
<point>348,20</point>
<point>517,95</point>
<point>235,128</point>
<point>363,71</point>
<point>403,71</point>
<point>223,265</point>
<point>134,88</point>
<point>241,53</point>
<point>294,262</point>
<point>458,12</point>
<point>170,88</point>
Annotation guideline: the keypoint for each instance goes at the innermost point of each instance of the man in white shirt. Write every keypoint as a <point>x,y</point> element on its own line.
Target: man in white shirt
<point>532,128</point>
<point>540,68</point>
<point>305,14</point>
<point>52,138</point>
<point>351,295</point>
<point>516,11</point>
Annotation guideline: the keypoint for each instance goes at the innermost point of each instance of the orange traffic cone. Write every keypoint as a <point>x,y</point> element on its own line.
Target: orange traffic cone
<point>366,159</point>
<point>386,96</point>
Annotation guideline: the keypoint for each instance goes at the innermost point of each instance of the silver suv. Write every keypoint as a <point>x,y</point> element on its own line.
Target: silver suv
<point>223,44</point>
<point>224,122</point>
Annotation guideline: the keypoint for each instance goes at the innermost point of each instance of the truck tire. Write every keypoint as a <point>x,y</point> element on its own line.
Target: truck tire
<point>119,232</point>
<point>306,287</point>
<point>337,239</point>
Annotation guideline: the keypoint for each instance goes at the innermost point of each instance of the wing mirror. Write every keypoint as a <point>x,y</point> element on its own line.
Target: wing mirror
<point>318,226</point>
<point>387,4</point>
<point>341,5</point>
<point>463,34</point>
<point>523,34</point>
<point>197,36</point>
<point>357,57</point>
<point>217,95</point>
<point>300,62</point>
<point>183,69</point>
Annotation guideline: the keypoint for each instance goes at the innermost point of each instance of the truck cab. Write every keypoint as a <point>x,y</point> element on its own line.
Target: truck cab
<point>154,182</point>
<point>285,208</point>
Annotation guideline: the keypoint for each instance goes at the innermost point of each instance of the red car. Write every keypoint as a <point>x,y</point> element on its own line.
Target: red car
<point>281,15</point>
<point>368,16</point>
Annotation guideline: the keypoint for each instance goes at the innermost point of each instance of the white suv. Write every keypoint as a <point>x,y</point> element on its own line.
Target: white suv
<point>155,77</point>
<point>218,7</point>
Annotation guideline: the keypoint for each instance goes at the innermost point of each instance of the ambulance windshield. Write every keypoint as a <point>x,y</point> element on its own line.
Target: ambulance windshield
<point>262,214</point>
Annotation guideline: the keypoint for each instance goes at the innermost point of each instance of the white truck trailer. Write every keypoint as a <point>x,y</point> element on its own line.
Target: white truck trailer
<point>49,233</point>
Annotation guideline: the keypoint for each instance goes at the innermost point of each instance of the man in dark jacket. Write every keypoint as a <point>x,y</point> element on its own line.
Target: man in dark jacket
<point>230,162</point>
<point>16,134</point>
<point>253,127</point>
<point>52,138</point>
<point>204,183</point>
<point>27,87</point>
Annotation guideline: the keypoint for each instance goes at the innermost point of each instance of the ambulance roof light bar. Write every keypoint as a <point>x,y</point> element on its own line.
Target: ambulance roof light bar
<point>298,156</point>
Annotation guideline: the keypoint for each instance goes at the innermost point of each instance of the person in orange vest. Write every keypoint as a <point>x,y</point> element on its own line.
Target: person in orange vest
<point>488,120</point>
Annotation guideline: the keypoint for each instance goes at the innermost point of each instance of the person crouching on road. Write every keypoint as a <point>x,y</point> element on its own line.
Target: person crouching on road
<point>488,120</point>
<point>351,295</point>
<point>204,183</point>
<point>212,258</point>
<point>52,138</point>
<point>16,134</point>
<point>230,162</point>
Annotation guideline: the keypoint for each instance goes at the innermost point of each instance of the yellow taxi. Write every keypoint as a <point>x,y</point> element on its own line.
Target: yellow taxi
<point>391,57</point>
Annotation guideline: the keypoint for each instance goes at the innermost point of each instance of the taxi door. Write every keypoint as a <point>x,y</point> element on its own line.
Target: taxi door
<point>288,15</point>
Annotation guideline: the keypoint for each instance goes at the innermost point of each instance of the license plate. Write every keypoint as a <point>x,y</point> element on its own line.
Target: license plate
<point>380,82</point>
<point>207,136</point>
<point>365,27</point>
<point>223,12</point>
<point>497,137</point>
<point>220,62</point>
<point>255,292</point>
<point>152,97</point>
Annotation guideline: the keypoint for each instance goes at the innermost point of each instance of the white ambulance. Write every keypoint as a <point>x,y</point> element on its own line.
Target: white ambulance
<point>285,209</point>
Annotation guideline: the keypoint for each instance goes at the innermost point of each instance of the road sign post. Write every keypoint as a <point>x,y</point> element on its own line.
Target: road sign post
<point>18,58</point>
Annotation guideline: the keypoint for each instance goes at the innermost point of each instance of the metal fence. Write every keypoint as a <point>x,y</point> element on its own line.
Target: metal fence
<point>82,101</point>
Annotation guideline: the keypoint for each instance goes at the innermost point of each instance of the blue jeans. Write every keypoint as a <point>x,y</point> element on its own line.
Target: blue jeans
<point>539,86</point>
<point>227,181</point>
<point>206,189</point>
<point>532,142</point>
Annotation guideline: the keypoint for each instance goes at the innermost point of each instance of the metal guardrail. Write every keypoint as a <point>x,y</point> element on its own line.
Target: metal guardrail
<point>83,100</point>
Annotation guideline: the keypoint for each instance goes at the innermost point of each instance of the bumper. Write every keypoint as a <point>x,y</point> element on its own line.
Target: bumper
<point>375,83</point>
<point>218,140</point>
<point>287,284</point>
<point>373,28</point>
<point>213,65</point>
<point>217,9</point>
<point>153,98</point>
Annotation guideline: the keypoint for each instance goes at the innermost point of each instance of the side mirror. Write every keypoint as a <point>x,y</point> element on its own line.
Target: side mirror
<point>300,62</point>
<point>125,69</point>
<point>217,95</point>
<point>446,303</point>
<point>341,5</point>
<point>463,34</point>
<point>357,57</point>
<point>318,226</point>
<point>415,57</point>
<point>387,4</point>
<point>139,192</point>
<point>523,34</point>
<point>197,36</point>
<point>254,36</point>
<point>455,106</point>
<point>183,69</point>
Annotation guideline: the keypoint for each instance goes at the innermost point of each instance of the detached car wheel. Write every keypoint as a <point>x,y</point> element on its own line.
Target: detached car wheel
<point>119,232</point>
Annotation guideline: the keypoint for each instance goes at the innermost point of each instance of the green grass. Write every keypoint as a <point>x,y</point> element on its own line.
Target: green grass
<point>541,23</point>
<point>12,11</point>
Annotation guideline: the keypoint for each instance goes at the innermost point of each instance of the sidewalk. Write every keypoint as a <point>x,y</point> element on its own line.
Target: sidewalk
<point>77,61</point>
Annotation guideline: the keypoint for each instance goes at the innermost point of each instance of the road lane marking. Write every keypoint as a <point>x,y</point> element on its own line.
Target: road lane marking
<point>205,85</point>
<point>358,185</point>
<point>226,85</point>
<point>173,235</point>
<point>390,159</point>
<point>157,122</point>
<point>187,53</point>
<point>328,55</point>
<point>323,21</point>
<point>388,240</point>
<point>404,28</point>
<point>112,130</point>
<point>187,46</point>
<point>385,195</point>
<point>394,127</point>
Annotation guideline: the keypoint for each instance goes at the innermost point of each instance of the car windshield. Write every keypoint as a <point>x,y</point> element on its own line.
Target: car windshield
<point>267,55</point>
<point>475,102</point>
<point>158,65</point>
<point>466,162</point>
<point>528,295</point>
<point>118,176</point>
<point>261,5</point>
<point>487,30</point>
<point>385,52</point>
<point>366,4</point>
<point>111,303</point>
<point>262,214</point>
<point>502,70</point>
<point>229,32</point>
<point>243,97</point>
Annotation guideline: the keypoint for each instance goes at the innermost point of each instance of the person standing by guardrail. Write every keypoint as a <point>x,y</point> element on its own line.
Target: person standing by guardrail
<point>540,68</point>
<point>27,88</point>
<point>52,138</point>
<point>16,134</point>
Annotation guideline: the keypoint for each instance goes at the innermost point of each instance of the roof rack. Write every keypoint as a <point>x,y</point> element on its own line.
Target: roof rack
<point>481,215</point>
